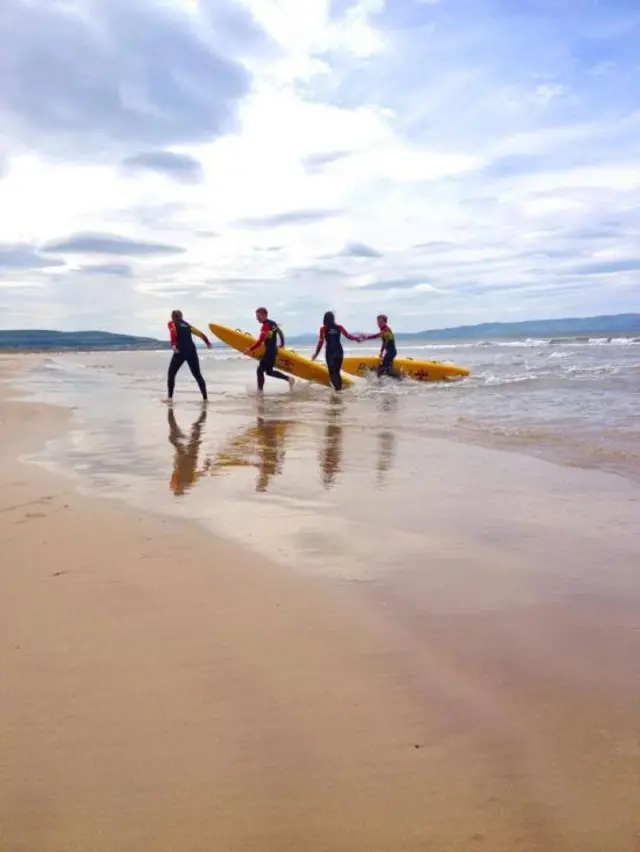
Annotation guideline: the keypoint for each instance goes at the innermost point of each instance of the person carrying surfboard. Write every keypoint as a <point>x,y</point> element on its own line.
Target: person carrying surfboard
<point>270,332</point>
<point>330,337</point>
<point>388,351</point>
<point>184,350</point>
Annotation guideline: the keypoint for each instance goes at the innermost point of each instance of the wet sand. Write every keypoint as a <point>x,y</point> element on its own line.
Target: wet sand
<point>166,689</point>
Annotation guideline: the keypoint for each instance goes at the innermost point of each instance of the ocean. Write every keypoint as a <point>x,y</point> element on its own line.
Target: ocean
<point>573,402</point>
<point>297,472</point>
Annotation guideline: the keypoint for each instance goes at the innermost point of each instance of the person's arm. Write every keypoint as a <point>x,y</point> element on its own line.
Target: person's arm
<point>280,334</point>
<point>261,339</point>
<point>379,334</point>
<point>320,344</point>
<point>199,334</point>
<point>362,337</point>
<point>173,335</point>
<point>344,331</point>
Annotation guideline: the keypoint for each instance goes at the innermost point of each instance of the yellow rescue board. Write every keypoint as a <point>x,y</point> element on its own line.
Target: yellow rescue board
<point>420,371</point>
<point>286,360</point>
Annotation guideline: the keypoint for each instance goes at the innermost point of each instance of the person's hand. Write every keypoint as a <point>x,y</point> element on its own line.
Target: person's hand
<point>247,351</point>
<point>208,344</point>
<point>175,349</point>
<point>313,357</point>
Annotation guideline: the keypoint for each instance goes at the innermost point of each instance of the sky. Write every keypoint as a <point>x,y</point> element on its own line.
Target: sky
<point>443,161</point>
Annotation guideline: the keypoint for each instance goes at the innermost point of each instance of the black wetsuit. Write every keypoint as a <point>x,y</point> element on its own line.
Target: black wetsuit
<point>181,338</point>
<point>333,353</point>
<point>266,365</point>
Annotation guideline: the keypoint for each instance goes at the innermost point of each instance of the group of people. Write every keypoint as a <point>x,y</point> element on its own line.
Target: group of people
<point>271,337</point>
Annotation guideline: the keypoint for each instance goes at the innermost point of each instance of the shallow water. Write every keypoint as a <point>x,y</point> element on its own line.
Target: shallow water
<point>367,476</point>
<point>571,402</point>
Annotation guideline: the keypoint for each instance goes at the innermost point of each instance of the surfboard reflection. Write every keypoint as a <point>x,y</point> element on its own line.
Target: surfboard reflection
<point>261,446</point>
<point>185,464</point>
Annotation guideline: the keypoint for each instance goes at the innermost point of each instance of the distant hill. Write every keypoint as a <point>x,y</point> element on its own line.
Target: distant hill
<point>600,326</point>
<point>566,327</point>
<point>55,341</point>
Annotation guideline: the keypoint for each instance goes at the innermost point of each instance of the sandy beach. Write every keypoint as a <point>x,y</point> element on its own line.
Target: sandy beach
<point>165,688</point>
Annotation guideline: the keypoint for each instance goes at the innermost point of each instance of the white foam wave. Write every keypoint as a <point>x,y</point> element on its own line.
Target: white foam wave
<point>55,365</point>
<point>491,379</point>
<point>613,341</point>
<point>529,343</point>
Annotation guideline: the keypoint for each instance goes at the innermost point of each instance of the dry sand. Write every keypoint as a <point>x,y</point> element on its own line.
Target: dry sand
<point>164,690</point>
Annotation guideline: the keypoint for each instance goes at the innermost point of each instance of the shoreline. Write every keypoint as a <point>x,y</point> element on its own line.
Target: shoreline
<point>167,689</point>
<point>581,448</point>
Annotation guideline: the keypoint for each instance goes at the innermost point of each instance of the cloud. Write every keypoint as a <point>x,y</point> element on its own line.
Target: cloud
<point>315,271</point>
<point>119,270</point>
<point>22,256</point>
<point>359,250</point>
<point>316,162</point>
<point>291,217</point>
<point>407,283</point>
<point>118,72</point>
<point>88,243</point>
<point>180,167</point>
<point>463,173</point>
<point>608,267</point>
<point>434,245</point>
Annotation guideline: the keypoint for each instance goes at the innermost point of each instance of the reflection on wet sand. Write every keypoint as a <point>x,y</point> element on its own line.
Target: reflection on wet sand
<point>331,452</point>
<point>185,465</point>
<point>386,454</point>
<point>266,440</point>
<point>263,446</point>
<point>386,439</point>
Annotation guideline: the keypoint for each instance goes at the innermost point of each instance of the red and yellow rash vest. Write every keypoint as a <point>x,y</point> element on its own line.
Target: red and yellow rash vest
<point>388,341</point>
<point>269,332</point>
<point>180,333</point>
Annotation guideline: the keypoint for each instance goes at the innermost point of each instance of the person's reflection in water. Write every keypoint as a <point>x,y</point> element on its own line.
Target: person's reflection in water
<point>185,465</point>
<point>261,446</point>
<point>270,435</point>
<point>386,441</point>
<point>386,453</point>
<point>331,454</point>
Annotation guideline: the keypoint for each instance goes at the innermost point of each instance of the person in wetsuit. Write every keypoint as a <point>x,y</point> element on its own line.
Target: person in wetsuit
<point>184,350</point>
<point>270,332</point>
<point>388,351</point>
<point>331,337</point>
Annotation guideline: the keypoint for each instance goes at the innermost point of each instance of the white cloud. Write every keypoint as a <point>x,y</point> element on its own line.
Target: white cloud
<point>471,165</point>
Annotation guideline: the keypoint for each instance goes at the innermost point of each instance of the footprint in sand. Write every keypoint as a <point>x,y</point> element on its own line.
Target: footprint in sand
<point>30,516</point>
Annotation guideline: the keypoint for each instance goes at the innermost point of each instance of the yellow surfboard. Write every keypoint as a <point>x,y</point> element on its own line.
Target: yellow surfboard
<point>286,359</point>
<point>420,371</point>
